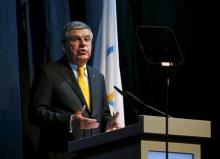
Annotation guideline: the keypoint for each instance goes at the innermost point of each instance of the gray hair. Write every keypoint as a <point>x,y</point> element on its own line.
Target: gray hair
<point>73,25</point>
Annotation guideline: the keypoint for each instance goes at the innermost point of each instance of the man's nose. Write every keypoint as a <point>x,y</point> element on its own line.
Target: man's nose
<point>82,42</point>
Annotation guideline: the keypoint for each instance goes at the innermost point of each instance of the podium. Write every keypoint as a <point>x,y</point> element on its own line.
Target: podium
<point>146,139</point>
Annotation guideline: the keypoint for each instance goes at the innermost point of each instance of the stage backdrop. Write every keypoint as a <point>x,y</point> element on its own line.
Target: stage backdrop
<point>10,102</point>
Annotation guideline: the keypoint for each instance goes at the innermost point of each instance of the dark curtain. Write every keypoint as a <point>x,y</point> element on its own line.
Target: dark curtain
<point>56,14</point>
<point>152,78</point>
<point>30,36</point>
<point>10,102</point>
<point>93,13</point>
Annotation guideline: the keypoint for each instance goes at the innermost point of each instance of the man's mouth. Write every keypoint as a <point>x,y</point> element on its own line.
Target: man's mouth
<point>82,51</point>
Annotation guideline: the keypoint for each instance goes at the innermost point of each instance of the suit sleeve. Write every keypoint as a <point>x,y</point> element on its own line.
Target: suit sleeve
<point>42,112</point>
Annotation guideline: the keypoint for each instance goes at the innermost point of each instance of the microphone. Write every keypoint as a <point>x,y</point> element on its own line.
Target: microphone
<point>131,95</point>
<point>120,91</point>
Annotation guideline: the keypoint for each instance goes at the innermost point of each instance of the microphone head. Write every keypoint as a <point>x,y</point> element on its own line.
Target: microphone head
<point>119,91</point>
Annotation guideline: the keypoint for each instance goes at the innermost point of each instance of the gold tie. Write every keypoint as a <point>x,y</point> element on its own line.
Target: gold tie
<point>83,85</point>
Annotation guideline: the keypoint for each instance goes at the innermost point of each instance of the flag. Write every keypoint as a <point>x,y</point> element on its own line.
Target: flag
<point>106,57</point>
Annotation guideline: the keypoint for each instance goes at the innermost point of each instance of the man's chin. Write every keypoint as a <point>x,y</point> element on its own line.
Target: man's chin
<point>82,60</point>
<point>83,57</point>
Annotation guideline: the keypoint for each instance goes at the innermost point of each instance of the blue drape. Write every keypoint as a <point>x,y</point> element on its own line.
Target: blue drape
<point>56,14</point>
<point>93,9</point>
<point>10,107</point>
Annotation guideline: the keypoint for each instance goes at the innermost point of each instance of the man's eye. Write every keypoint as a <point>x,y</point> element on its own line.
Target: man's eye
<point>75,39</point>
<point>80,39</point>
<point>87,39</point>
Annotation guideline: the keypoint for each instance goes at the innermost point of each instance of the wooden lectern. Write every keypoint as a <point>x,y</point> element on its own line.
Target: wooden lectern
<point>146,139</point>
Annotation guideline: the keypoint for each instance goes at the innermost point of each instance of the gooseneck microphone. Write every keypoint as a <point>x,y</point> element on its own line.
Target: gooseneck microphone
<point>129,95</point>
<point>120,91</point>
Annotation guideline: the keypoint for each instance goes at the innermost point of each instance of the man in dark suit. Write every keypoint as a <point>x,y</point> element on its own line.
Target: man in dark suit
<point>62,109</point>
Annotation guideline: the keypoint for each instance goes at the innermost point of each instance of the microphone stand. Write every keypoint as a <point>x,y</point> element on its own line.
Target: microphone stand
<point>167,110</point>
<point>167,65</point>
<point>160,44</point>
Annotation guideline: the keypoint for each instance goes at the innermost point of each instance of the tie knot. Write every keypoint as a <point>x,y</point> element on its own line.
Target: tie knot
<point>81,70</point>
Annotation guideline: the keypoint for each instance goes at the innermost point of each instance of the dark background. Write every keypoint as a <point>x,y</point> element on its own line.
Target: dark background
<point>29,30</point>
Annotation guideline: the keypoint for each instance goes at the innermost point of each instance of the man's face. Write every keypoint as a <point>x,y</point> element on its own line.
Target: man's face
<point>78,48</point>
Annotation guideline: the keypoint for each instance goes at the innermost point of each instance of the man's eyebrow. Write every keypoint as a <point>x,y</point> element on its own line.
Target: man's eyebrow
<point>80,36</point>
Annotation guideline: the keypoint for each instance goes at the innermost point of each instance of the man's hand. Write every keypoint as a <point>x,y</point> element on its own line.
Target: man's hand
<point>113,124</point>
<point>82,122</point>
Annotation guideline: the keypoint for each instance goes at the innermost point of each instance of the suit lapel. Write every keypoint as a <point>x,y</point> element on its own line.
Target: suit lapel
<point>66,71</point>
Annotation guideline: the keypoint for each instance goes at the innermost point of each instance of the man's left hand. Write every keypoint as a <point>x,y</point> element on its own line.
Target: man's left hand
<point>113,123</point>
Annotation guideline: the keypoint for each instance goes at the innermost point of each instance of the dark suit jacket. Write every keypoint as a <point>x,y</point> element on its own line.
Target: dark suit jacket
<point>55,96</point>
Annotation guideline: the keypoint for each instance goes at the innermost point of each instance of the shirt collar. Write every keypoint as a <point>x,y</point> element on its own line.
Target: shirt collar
<point>74,68</point>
